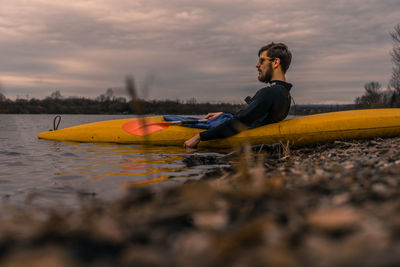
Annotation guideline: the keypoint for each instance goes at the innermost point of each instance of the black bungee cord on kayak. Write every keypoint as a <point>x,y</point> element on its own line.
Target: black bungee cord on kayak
<point>56,122</point>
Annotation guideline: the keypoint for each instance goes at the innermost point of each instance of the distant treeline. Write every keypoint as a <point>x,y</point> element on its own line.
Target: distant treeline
<point>56,104</point>
<point>110,106</point>
<point>316,109</point>
<point>121,106</point>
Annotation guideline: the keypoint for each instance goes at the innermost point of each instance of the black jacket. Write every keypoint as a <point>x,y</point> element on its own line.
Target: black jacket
<point>270,104</point>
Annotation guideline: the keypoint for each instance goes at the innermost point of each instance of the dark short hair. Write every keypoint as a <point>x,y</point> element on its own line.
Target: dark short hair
<point>279,50</point>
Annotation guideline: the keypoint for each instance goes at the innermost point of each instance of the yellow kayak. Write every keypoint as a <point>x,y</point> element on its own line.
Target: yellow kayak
<point>312,129</point>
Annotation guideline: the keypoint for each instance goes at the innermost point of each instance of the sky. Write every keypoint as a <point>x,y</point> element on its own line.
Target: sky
<point>183,49</point>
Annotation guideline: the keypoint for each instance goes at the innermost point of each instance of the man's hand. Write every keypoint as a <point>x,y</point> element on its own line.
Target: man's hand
<point>210,116</point>
<point>192,142</point>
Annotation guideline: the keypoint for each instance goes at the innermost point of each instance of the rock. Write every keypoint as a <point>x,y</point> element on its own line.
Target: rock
<point>334,219</point>
<point>210,220</point>
<point>341,199</point>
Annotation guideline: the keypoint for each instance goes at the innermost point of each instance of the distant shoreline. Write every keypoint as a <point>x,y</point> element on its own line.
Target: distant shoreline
<point>116,106</point>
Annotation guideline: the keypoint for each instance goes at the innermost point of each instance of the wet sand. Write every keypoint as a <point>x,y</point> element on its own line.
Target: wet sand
<point>336,204</point>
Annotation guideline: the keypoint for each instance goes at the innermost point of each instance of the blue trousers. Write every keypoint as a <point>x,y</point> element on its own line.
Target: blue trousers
<point>201,125</point>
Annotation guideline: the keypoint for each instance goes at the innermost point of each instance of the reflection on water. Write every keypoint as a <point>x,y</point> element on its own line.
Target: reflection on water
<point>57,171</point>
<point>145,165</point>
<point>110,168</point>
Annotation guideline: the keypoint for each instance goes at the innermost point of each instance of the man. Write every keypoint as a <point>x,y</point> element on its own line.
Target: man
<point>270,104</point>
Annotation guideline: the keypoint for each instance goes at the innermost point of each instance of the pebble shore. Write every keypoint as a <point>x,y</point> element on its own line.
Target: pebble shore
<point>336,204</point>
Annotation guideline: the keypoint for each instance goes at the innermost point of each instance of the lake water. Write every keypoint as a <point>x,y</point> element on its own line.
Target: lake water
<point>51,173</point>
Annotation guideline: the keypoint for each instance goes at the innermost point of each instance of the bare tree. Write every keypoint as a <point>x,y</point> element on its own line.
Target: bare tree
<point>56,95</point>
<point>372,88</point>
<point>2,96</point>
<point>109,94</point>
<point>395,80</point>
<point>373,96</point>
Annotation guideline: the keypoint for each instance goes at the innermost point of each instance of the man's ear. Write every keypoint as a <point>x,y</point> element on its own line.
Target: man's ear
<point>277,62</point>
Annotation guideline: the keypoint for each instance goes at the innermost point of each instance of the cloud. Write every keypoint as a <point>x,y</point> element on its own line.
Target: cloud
<point>203,49</point>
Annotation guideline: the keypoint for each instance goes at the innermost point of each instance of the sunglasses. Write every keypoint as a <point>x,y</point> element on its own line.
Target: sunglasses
<point>262,59</point>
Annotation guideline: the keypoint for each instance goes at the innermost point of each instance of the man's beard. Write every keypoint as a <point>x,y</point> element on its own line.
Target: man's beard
<point>268,75</point>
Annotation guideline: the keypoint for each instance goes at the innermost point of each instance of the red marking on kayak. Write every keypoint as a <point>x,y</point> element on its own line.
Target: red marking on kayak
<point>141,127</point>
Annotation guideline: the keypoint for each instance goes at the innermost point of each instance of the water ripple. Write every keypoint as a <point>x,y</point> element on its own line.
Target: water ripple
<point>10,153</point>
